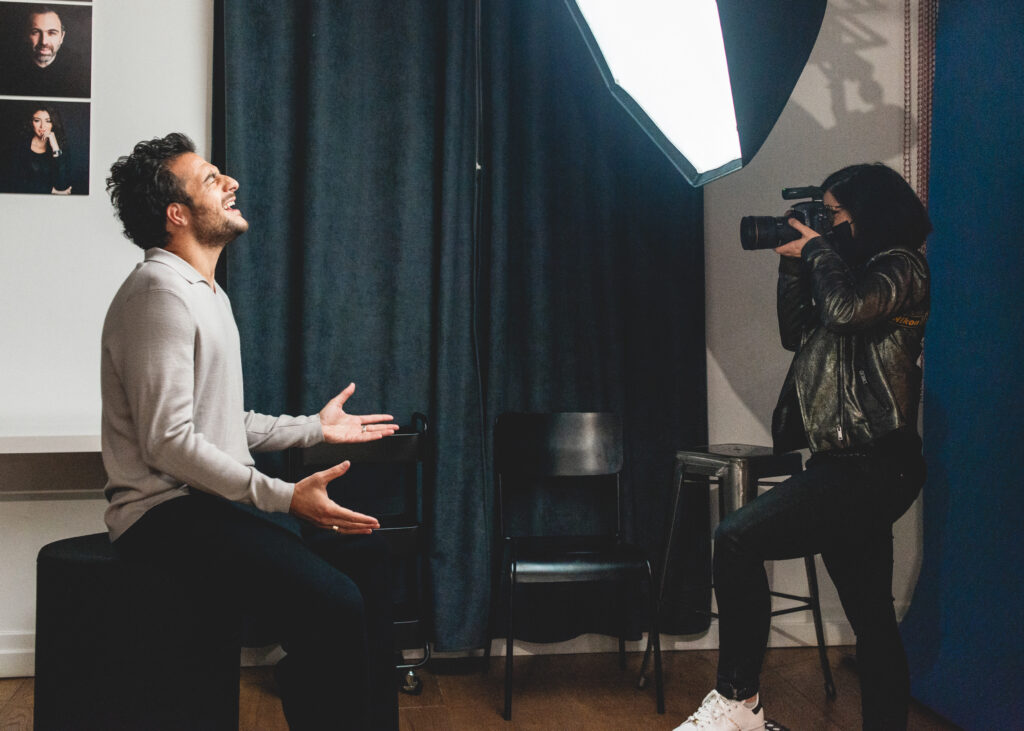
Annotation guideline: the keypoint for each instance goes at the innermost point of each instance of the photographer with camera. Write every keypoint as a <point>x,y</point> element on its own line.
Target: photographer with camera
<point>853,297</point>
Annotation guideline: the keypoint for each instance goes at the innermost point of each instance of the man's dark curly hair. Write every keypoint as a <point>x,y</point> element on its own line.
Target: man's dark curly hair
<point>885,210</point>
<point>141,186</point>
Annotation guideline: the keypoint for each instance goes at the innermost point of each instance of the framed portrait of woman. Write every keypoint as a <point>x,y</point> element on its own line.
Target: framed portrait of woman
<point>45,147</point>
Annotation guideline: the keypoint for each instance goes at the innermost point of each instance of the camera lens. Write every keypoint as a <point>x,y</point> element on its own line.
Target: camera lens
<point>759,232</point>
<point>767,232</point>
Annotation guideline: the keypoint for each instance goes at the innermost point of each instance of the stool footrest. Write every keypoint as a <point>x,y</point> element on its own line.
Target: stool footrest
<point>790,610</point>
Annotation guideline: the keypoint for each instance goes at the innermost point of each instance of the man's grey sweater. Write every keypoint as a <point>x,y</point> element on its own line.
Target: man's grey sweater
<point>173,415</point>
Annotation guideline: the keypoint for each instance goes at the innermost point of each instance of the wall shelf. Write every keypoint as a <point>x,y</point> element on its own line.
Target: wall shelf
<point>50,443</point>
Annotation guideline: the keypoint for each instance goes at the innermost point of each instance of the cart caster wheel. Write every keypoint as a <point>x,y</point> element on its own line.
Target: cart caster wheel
<point>411,684</point>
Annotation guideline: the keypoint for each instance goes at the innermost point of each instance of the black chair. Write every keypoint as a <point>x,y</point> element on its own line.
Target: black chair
<point>386,480</point>
<point>540,452</point>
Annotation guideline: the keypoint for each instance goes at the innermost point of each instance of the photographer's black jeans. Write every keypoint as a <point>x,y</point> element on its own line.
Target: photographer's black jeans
<point>842,507</point>
<point>329,594</point>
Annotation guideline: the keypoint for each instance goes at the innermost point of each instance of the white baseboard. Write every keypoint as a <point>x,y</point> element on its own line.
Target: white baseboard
<point>17,654</point>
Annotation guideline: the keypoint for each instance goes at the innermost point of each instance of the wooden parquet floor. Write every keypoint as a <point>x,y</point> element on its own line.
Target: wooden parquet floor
<point>566,692</point>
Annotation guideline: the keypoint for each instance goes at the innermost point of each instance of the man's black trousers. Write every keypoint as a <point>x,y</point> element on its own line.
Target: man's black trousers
<point>328,595</point>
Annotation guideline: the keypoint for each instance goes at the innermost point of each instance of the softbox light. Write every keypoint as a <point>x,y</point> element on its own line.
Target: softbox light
<point>706,81</point>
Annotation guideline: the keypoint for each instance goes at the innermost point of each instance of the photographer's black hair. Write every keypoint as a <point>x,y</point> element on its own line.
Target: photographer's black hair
<point>885,210</point>
<point>141,187</point>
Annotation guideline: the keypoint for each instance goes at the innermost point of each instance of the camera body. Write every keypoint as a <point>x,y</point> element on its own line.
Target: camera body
<point>770,232</point>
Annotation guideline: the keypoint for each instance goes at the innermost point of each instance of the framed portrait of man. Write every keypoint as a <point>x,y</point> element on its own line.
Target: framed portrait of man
<point>45,50</point>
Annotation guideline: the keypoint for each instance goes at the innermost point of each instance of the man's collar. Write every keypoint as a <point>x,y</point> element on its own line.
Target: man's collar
<point>176,263</point>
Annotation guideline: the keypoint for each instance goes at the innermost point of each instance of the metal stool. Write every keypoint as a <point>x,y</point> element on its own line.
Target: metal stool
<point>739,469</point>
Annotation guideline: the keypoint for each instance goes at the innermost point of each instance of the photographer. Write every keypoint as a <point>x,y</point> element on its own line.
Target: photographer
<point>852,303</point>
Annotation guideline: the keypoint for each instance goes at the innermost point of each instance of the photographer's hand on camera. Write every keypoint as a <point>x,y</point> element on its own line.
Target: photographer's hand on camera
<point>793,248</point>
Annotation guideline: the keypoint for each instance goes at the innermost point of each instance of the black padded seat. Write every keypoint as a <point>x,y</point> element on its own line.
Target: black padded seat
<point>559,559</point>
<point>119,646</point>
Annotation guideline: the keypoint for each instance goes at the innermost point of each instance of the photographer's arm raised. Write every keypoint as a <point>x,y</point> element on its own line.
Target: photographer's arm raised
<point>794,305</point>
<point>847,301</point>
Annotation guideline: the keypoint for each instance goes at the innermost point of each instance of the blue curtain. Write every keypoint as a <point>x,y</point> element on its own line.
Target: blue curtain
<point>566,273</point>
<point>963,631</point>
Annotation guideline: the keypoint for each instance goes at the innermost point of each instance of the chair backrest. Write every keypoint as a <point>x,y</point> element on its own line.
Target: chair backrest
<point>562,444</point>
<point>579,453</point>
<point>408,444</point>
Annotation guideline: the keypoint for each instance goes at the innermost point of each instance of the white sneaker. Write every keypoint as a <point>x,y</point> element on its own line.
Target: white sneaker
<point>718,713</point>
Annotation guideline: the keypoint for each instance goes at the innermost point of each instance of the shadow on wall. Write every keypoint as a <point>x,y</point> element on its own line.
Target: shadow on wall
<point>837,117</point>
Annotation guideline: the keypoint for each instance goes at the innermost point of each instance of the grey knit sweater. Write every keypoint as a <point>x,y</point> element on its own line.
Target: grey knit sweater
<point>173,418</point>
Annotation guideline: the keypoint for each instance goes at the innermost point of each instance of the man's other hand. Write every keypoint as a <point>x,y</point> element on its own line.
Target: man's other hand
<point>342,428</point>
<point>310,502</point>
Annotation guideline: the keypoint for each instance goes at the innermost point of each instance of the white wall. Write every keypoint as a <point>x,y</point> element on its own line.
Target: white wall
<point>61,260</point>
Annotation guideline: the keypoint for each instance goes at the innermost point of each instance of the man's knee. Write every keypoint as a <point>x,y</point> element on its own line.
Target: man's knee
<point>340,597</point>
<point>359,583</point>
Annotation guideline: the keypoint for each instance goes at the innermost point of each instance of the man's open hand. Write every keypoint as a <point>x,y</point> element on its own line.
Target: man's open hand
<point>342,428</point>
<point>310,502</point>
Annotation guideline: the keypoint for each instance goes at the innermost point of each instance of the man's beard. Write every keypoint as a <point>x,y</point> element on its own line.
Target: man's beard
<point>216,231</point>
<point>43,61</point>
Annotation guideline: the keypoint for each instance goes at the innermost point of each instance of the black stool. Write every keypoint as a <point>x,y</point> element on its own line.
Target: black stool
<point>739,469</point>
<point>120,646</point>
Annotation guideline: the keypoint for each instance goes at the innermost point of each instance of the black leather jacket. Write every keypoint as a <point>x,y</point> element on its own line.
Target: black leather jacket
<point>857,336</point>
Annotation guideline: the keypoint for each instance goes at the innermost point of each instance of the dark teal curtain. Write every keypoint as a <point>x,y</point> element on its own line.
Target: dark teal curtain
<point>962,632</point>
<point>565,273</point>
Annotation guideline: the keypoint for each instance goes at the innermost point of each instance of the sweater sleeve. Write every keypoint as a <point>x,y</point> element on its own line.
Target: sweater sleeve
<point>157,367</point>
<point>271,433</point>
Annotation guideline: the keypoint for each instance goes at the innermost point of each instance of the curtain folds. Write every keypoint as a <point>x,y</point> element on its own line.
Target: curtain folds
<point>566,273</point>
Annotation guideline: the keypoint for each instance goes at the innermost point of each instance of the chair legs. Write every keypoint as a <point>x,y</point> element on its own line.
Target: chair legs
<point>653,643</point>
<point>510,587</point>
<point>623,620</point>
<point>654,638</point>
